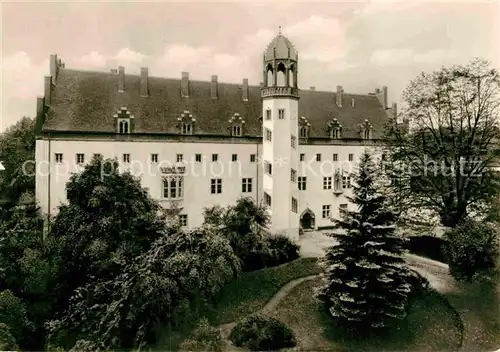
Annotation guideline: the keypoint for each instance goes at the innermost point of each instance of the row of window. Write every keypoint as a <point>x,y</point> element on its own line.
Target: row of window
<point>173,186</point>
<point>326,210</point>
<point>319,157</point>
<point>341,182</point>
<point>281,114</point>
<point>80,158</point>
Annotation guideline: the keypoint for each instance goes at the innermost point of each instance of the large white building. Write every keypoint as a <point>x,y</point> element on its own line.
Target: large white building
<point>197,144</point>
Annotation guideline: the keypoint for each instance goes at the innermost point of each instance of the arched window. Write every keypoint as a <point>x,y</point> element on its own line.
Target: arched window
<point>303,132</point>
<point>236,131</point>
<point>186,123</point>
<point>281,75</point>
<point>335,129</point>
<point>236,124</point>
<point>123,121</point>
<point>291,76</point>
<point>269,76</point>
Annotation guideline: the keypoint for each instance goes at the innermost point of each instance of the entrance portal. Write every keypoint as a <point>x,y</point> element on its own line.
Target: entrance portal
<point>307,219</point>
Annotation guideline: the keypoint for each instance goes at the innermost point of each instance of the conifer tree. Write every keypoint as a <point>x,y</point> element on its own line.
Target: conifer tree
<point>365,281</point>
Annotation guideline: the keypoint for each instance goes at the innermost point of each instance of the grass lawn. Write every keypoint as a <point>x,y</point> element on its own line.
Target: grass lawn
<point>246,295</point>
<point>251,291</point>
<point>432,325</point>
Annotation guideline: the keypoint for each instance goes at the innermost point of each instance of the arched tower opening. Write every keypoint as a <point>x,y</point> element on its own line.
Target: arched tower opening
<point>281,80</point>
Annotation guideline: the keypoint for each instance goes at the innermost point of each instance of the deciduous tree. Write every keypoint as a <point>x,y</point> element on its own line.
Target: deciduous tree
<point>444,162</point>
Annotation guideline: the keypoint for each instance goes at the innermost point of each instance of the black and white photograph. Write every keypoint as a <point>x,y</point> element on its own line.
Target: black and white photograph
<point>250,176</point>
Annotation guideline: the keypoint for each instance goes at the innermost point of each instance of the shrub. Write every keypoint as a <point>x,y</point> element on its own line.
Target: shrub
<point>472,248</point>
<point>260,333</point>
<point>427,246</point>
<point>7,341</point>
<point>204,338</point>
<point>13,314</point>
<point>282,250</point>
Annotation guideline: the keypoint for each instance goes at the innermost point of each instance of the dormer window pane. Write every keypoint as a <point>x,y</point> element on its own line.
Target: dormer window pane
<point>186,128</point>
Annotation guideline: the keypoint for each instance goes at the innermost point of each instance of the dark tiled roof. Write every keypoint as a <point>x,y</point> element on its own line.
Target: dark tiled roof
<point>85,101</point>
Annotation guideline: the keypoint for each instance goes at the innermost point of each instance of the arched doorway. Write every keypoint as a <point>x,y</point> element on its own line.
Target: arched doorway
<point>307,219</point>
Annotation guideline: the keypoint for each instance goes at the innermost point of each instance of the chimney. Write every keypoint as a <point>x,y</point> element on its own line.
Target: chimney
<point>144,82</point>
<point>394,110</point>
<point>48,89</point>
<point>339,96</point>
<point>312,88</point>
<point>185,85</point>
<point>121,79</point>
<point>213,87</point>
<point>384,89</point>
<point>53,67</point>
<point>245,89</point>
<point>40,104</point>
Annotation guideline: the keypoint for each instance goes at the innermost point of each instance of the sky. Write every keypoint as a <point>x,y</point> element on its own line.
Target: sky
<point>360,45</point>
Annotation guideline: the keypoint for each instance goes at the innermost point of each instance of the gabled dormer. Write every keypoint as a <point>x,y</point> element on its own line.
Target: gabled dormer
<point>124,121</point>
<point>186,123</point>
<point>304,127</point>
<point>236,124</point>
<point>365,130</point>
<point>334,128</point>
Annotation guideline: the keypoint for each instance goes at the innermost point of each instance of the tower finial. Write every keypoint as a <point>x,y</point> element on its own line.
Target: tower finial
<point>279,30</point>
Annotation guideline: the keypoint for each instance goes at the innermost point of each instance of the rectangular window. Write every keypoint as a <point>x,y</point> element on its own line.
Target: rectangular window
<point>318,157</point>
<point>281,114</point>
<point>154,158</point>
<point>246,185</point>
<point>302,157</point>
<point>293,175</point>
<point>179,158</point>
<point>215,157</point>
<point>234,157</point>
<point>295,205</point>
<point>252,158</point>
<point>183,219</point>
<point>335,157</point>
<point>327,182</point>
<point>342,208</point>
<point>351,157</point>
<point>216,186</point>
<point>268,114</point>
<point>346,182</point>
<point>126,158</point>
<point>80,158</point>
<point>326,211</point>
<point>293,142</point>
<point>197,158</point>
<point>97,155</point>
<point>173,187</point>
<point>267,199</point>
<point>268,168</point>
<point>59,157</point>
<point>302,183</point>
<point>269,135</point>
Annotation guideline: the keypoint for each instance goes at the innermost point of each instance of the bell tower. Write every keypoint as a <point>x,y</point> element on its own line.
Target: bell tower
<point>280,156</point>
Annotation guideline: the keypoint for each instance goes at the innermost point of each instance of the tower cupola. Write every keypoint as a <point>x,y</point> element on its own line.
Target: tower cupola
<point>280,68</point>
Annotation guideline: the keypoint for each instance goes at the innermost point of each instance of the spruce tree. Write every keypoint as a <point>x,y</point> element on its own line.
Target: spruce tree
<point>365,281</point>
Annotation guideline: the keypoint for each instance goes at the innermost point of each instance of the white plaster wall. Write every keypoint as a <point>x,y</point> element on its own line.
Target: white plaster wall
<point>196,181</point>
<point>315,196</point>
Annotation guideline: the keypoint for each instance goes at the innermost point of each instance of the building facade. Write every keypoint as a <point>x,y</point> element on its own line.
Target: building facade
<point>197,144</point>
